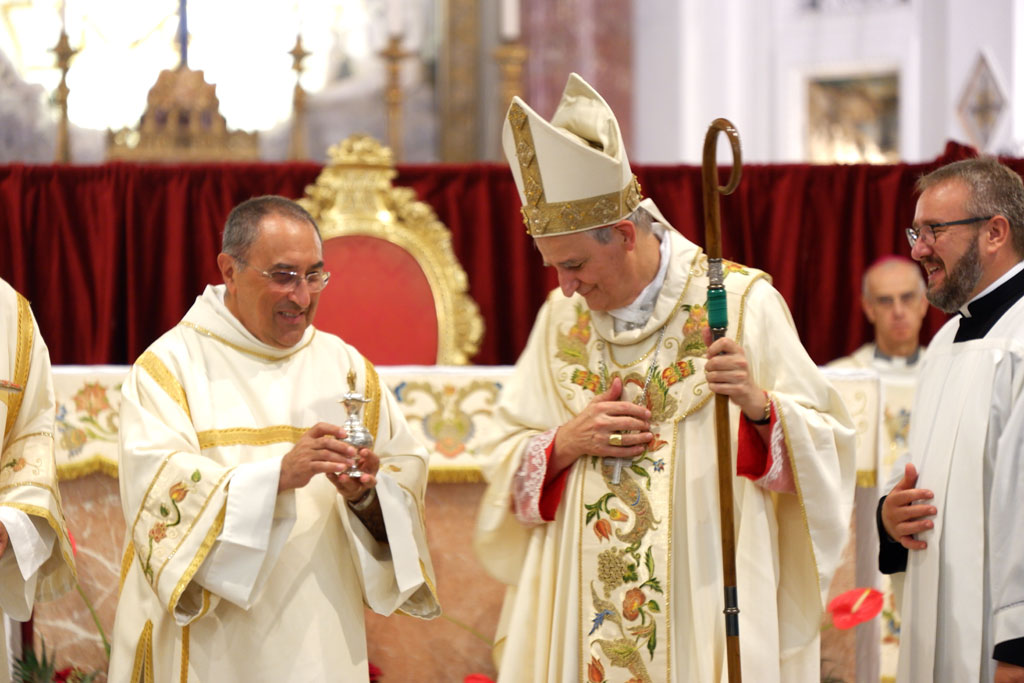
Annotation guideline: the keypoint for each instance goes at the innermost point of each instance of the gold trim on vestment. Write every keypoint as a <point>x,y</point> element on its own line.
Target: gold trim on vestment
<point>203,549</point>
<point>206,604</point>
<point>156,369</point>
<point>799,493</point>
<point>142,670</point>
<point>249,436</point>
<point>554,218</point>
<point>867,479</point>
<point>126,565</point>
<point>38,485</point>
<point>265,356</point>
<point>22,362</point>
<point>581,638</point>
<point>184,653</point>
<point>743,304</point>
<point>426,580</point>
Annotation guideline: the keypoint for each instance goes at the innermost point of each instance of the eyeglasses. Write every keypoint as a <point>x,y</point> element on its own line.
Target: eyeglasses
<point>289,279</point>
<point>929,231</point>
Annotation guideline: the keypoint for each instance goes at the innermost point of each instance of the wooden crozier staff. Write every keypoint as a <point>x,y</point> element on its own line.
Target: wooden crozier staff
<point>718,321</point>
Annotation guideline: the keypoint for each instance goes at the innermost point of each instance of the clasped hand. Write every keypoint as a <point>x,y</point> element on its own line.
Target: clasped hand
<point>321,451</point>
<point>588,433</point>
<point>905,512</point>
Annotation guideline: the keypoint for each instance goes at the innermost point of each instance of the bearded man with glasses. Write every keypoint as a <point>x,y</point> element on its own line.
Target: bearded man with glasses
<point>250,551</point>
<point>955,523</point>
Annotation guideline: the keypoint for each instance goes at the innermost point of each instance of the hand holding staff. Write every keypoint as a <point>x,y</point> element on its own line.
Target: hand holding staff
<point>718,321</point>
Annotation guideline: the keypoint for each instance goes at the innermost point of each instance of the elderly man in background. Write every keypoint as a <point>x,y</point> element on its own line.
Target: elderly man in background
<point>954,523</point>
<point>250,550</point>
<point>618,577</point>
<point>893,300</point>
<point>35,552</point>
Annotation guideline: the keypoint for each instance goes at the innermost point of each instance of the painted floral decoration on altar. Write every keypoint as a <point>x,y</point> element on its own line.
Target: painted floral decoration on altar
<point>94,418</point>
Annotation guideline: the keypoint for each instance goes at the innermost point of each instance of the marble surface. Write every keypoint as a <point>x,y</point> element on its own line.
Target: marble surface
<point>444,649</point>
<point>92,506</point>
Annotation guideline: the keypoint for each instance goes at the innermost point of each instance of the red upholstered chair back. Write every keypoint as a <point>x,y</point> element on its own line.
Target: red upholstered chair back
<point>397,292</point>
<point>379,300</point>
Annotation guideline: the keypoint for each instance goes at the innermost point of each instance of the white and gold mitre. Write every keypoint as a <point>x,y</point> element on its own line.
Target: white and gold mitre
<point>572,173</point>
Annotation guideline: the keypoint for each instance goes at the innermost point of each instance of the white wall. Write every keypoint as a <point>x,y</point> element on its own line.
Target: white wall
<point>750,61</point>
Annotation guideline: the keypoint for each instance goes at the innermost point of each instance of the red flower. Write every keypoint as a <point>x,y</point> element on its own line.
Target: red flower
<point>595,670</point>
<point>631,603</point>
<point>603,529</point>
<point>178,492</point>
<point>92,398</point>
<point>854,607</point>
<point>158,532</point>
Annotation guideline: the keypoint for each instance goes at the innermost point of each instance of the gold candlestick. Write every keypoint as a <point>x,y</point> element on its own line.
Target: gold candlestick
<point>393,55</point>
<point>64,53</point>
<point>297,144</point>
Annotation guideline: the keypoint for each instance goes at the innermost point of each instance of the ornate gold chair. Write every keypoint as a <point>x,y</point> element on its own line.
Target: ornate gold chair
<point>397,292</point>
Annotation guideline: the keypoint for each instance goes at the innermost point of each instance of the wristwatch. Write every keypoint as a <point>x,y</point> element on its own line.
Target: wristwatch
<point>364,501</point>
<point>767,417</point>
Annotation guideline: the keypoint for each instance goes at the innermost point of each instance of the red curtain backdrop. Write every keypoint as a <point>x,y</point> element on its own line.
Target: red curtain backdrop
<point>111,256</point>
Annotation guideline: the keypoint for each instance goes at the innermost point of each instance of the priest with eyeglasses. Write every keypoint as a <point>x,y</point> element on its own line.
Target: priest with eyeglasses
<point>252,544</point>
<point>955,521</point>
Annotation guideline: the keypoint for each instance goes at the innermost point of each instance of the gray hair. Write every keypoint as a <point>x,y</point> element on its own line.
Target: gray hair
<point>639,217</point>
<point>995,190</point>
<point>242,228</point>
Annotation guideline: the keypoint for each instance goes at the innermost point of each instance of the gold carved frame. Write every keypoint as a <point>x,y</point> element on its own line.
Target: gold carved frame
<point>353,195</point>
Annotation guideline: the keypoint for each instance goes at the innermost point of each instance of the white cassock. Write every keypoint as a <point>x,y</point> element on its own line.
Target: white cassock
<point>965,592</point>
<point>225,579</point>
<point>626,581</point>
<point>37,564</point>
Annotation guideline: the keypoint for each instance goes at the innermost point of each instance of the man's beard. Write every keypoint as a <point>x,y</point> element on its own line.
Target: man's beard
<point>960,282</point>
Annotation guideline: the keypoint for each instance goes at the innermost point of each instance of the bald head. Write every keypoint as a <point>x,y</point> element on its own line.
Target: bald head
<point>894,301</point>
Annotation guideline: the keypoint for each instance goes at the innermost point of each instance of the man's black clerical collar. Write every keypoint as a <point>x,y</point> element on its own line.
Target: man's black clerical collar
<point>986,311</point>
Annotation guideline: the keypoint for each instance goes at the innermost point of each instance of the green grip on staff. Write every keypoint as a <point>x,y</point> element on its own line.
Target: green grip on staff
<point>718,312</point>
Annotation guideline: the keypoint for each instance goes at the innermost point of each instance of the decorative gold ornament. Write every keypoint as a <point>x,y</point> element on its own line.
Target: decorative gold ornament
<point>182,122</point>
<point>64,53</point>
<point>297,142</point>
<point>353,195</point>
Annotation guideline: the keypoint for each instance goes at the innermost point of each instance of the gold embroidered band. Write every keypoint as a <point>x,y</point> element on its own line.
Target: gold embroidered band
<point>543,218</point>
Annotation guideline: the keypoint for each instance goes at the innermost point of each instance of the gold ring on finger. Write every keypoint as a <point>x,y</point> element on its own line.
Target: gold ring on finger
<point>615,439</point>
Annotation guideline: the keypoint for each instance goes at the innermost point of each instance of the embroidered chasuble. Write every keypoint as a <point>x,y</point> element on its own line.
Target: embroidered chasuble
<point>38,563</point>
<point>963,595</point>
<point>261,586</point>
<point>626,582</point>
